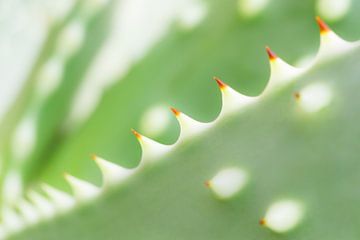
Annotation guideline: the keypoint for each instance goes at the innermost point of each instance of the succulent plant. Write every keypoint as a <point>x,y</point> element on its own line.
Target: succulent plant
<point>273,163</point>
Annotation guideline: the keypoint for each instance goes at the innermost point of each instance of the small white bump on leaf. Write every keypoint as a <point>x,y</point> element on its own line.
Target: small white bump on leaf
<point>155,120</point>
<point>251,8</point>
<point>283,216</point>
<point>111,172</point>
<point>84,105</point>
<point>83,190</point>
<point>193,14</point>
<point>333,10</point>
<point>228,182</point>
<point>314,97</point>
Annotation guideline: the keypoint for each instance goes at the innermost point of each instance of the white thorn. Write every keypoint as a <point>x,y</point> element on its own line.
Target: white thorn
<point>314,97</point>
<point>12,222</point>
<point>71,39</point>
<point>28,211</point>
<point>83,190</point>
<point>189,127</point>
<point>61,200</point>
<point>85,103</point>
<point>50,76</point>
<point>331,45</point>
<point>228,182</point>
<point>333,10</point>
<point>283,216</point>
<point>232,101</point>
<point>12,188</point>
<point>151,150</point>
<point>111,172</point>
<point>44,206</point>
<point>251,8</point>
<point>24,138</point>
<point>281,73</point>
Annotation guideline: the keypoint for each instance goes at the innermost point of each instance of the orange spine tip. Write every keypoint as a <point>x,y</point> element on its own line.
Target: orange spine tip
<point>262,222</point>
<point>207,184</point>
<point>324,28</point>
<point>175,111</point>
<point>137,135</point>
<point>271,54</point>
<point>93,156</point>
<point>297,96</point>
<point>221,84</point>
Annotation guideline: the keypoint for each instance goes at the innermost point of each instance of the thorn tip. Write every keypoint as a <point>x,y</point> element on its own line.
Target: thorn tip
<point>175,111</point>
<point>262,222</point>
<point>297,96</point>
<point>324,28</point>
<point>137,135</point>
<point>220,83</point>
<point>207,183</point>
<point>271,54</point>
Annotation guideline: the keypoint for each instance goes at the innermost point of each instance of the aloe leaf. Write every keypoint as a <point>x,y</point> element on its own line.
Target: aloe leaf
<point>176,73</point>
<point>299,166</point>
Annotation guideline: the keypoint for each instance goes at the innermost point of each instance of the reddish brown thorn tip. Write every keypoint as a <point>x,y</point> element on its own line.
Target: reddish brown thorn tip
<point>324,28</point>
<point>175,111</point>
<point>207,183</point>
<point>137,135</point>
<point>221,84</point>
<point>262,222</point>
<point>297,96</point>
<point>271,54</point>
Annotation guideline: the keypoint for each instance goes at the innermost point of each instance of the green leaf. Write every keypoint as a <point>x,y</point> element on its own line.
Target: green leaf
<point>177,73</point>
<point>287,152</point>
